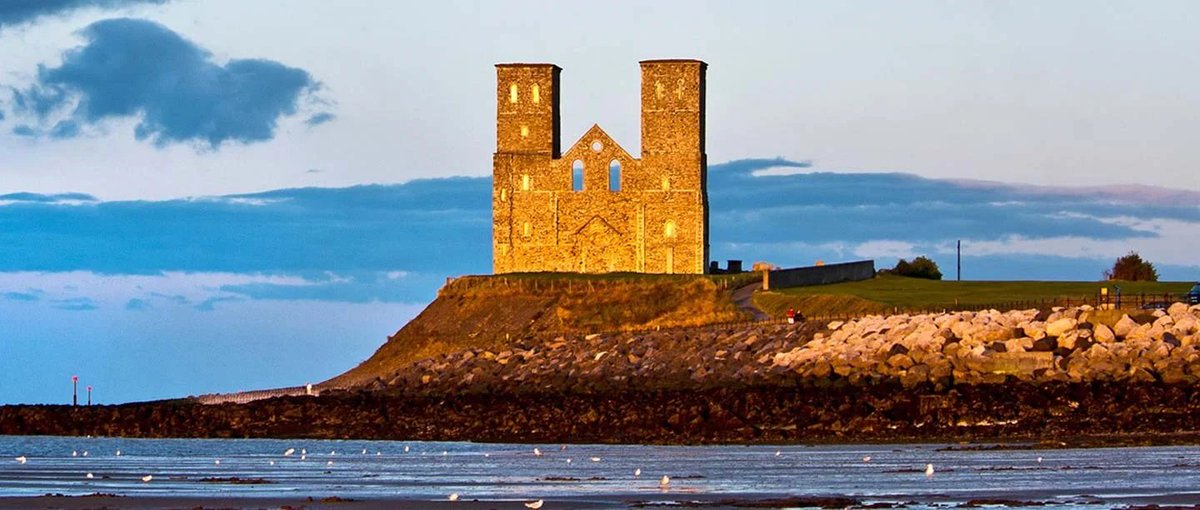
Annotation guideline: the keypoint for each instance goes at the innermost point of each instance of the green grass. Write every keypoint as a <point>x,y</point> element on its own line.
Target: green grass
<point>896,292</point>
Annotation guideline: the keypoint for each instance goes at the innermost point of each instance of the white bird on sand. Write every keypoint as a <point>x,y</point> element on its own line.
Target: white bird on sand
<point>217,462</point>
<point>778,452</point>
<point>89,476</point>
<point>288,452</point>
<point>637,472</point>
<point>1039,460</point>
<point>405,449</point>
<point>74,453</point>
<point>867,458</point>
<point>568,461</point>
<point>147,478</point>
<point>534,504</point>
<point>378,454</point>
<point>486,455</point>
<point>330,463</point>
<point>304,451</point>
<point>303,456</point>
<point>562,448</point>
<point>445,453</point>
<point>272,463</point>
<point>537,452</point>
<point>664,482</point>
<point>595,459</point>
<point>85,453</point>
<point>331,452</point>
<point>929,470</point>
<point>21,459</point>
<point>118,453</point>
<point>453,496</point>
<point>364,451</point>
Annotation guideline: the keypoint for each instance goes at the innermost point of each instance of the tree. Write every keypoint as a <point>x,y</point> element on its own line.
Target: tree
<point>920,267</point>
<point>1132,268</point>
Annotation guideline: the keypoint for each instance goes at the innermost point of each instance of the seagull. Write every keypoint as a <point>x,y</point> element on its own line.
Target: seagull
<point>453,496</point>
<point>637,472</point>
<point>1039,460</point>
<point>303,456</point>
<point>378,454</point>
<point>21,459</point>
<point>666,480</point>
<point>778,452</point>
<point>486,455</point>
<point>405,449</point>
<point>89,476</point>
<point>74,453</point>
<point>217,462</point>
<point>331,452</point>
<point>85,453</point>
<point>929,470</point>
<point>330,463</point>
<point>118,453</point>
<point>288,452</point>
<point>537,452</point>
<point>595,459</point>
<point>272,463</point>
<point>364,451</point>
<point>147,478</point>
<point>304,451</point>
<point>568,461</point>
<point>534,504</point>
<point>867,458</point>
<point>445,453</point>
<point>562,448</point>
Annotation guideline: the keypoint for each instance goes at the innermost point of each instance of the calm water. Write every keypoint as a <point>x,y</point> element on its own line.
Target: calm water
<point>496,471</point>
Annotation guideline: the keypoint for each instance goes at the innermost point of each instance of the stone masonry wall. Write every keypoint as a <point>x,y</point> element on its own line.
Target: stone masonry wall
<point>627,214</point>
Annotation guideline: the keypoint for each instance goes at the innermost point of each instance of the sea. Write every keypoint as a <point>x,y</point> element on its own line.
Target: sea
<point>914,475</point>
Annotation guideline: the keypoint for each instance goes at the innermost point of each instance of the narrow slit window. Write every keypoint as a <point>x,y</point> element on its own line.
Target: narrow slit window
<point>512,93</point>
<point>525,182</point>
<point>577,175</point>
<point>537,94</point>
<point>526,229</point>
<point>666,183</point>
<point>669,229</point>
<point>524,131</point>
<point>614,176</point>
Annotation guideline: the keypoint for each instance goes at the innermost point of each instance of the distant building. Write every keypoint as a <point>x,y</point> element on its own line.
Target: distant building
<point>595,208</point>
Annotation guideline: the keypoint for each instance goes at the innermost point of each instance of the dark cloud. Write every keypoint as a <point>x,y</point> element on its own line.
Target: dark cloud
<point>136,304</point>
<point>25,131</point>
<point>1,114</point>
<point>16,12</point>
<point>210,304</point>
<point>320,118</point>
<point>27,297</point>
<point>138,68</point>
<point>76,304</point>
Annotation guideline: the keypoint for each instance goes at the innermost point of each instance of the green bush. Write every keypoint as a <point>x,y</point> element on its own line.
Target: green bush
<point>1132,268</point>
<point>920,267</point>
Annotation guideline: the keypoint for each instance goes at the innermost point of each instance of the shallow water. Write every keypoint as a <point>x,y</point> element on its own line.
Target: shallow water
<point>431,471</point>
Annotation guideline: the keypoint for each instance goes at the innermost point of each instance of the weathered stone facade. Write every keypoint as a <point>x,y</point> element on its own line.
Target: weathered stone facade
<point>595,208</point>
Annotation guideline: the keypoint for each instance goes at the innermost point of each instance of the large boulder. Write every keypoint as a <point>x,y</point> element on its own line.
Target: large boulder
<point>1060,326</point>
<point>1103,334</point>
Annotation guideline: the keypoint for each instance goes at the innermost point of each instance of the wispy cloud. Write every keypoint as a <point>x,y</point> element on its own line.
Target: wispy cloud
<point>132,68</point>
<point>320,118</point>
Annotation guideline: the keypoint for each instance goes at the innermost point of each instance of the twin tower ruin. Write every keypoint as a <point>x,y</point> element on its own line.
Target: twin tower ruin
<point>595,208</point>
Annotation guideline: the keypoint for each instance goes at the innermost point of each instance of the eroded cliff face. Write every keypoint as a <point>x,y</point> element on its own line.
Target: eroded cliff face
<point>478,314</point>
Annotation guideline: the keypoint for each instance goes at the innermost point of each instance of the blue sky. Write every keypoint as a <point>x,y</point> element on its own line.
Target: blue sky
<point>218,195</point>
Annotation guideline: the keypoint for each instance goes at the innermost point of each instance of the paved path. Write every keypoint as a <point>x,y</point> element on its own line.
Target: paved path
<point>743,297</point>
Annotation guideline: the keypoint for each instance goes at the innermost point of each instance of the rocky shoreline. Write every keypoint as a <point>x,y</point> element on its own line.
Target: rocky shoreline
<point>1059,377</point>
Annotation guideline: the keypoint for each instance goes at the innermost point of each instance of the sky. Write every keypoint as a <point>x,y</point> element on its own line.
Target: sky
<point>208,196</point>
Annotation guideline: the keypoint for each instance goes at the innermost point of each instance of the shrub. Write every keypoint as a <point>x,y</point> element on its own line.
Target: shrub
<point>1132,268</point>
<point>920,267</point>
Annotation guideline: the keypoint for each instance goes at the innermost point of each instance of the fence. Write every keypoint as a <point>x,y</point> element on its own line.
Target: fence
<point>250,396</point>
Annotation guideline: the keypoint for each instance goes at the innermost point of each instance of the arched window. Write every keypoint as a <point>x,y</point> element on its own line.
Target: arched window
<point>537,94</point>
<point>658,89</point>
<point>527,229</point>
<point>524,131</point>
<point>503,194</point>
<point>669,229</point>
<point>577,175</point>
<point>614,176</point>
<point>666,183</point>
<point>525,182</point>
<point>512,93</point>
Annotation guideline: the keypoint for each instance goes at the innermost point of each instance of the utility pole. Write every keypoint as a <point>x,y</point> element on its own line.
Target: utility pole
<point>74,390</point>
<point>89,395</point>
<point>958,276</point>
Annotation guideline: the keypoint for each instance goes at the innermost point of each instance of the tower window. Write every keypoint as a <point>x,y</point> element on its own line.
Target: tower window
<point>537,94</point>
<point>666,183</point>
<point>658,89</point>
<point>525,182</point>
<point>503,194</point>
<point>524,131</point>
<point>512,93</point>
<point>526,229</point>
<point>597,146</point>
<point>614,176</point>
<point>577,175</point>
<point>669,229</point>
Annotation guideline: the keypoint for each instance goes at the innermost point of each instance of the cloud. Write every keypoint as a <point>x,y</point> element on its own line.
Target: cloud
<point>57,198</point>
<point>320,118</point>
<point>210,304</point>
<point>140,69</point>
<point>24,131</point>
<point>16,12</point>
<point>1,114</point>
<point>27,297</point>
<point>136,304</point>
<point>81,304</point>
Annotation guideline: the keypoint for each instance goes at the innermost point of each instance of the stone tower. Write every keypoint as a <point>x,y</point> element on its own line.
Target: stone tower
<point>595,208</point>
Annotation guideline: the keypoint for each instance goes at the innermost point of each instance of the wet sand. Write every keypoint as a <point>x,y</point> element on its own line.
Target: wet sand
<point>240,503</point>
